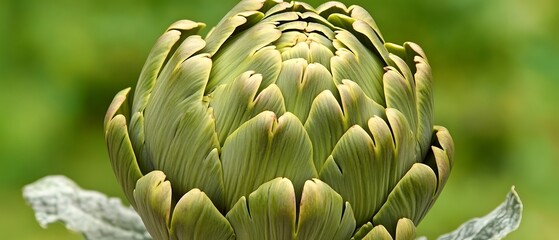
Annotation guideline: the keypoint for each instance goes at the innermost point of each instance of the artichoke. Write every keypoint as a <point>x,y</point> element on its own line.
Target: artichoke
<point>284,122</point>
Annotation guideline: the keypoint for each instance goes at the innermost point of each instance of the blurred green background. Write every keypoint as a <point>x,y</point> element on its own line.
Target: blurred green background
<point>496,68</point>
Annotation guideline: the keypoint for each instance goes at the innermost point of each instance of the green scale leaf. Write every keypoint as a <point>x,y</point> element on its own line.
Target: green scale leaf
<point>357,106</point>
<point>153,202</point>
<point>329,8</point>
<point>320,52</point>
<point>235,103</point>
<point>185,50</point>
<point>400,95</point>
<point>379,232</point>
<point>328,121</point>
<point>193,217</point>
<point>158,56</point>
<point>355,62</point>
<point>407,58</point>
<point>121,154</point>
<point>300,83</point>
<point>300,50</point>
<point>245,14</point>
<point>263,148</point>
<point>270,213</point>
<point>409,198</point>
<point>404,144</point>
<point>247,51</point>
<point>359,13</point>
<point>267,213</point>
<point>364,169</point>
<point>440,158</point>
<point>357,174</point>
<point>352,14</point>
<point>405,230</point>
<point>323,213</point>
<point>359,22</point>
<point>177,116</point>
<point>324,126</point>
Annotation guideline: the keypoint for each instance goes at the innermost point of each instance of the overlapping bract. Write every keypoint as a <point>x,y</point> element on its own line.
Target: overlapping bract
<point>284,122</point>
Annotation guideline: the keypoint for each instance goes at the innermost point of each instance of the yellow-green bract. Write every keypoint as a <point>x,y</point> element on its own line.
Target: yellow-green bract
<point>284,122</point>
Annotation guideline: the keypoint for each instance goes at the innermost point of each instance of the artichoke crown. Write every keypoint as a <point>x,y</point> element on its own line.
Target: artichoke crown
<point>284,122</point>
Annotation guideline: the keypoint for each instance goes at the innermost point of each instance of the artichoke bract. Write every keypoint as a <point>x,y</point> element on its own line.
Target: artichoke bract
<point>284,122</point>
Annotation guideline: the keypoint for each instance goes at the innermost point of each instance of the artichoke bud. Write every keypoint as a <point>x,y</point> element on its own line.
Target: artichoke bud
<point>284,122</point>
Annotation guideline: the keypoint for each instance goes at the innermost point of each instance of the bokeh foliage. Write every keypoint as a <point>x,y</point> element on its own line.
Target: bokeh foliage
<point>495,65</point>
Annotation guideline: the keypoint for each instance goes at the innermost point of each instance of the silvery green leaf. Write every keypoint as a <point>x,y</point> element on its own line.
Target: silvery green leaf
<point>96,216</point>
<point>496,225</point>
